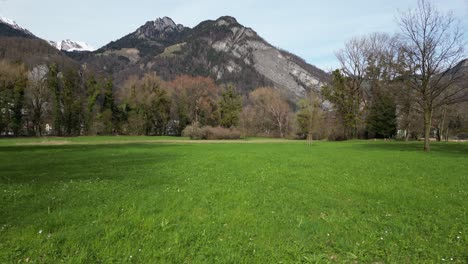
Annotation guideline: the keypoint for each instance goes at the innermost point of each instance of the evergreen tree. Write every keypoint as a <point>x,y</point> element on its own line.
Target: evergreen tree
<point>92,92</point>
<point>18,102</point>
<point>108,116</point>
<point>230,107</point>
<point>344,95</point>
<point>381,121</point>
<point>71,101</point>
<point>54,86</point>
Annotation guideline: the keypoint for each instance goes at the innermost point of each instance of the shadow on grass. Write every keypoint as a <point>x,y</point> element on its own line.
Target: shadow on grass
<point>452,148</point>
<point>45,164</point>
<point>77,146</point>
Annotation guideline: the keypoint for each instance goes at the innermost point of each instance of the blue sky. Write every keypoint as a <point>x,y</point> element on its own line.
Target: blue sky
<point>311,29</point>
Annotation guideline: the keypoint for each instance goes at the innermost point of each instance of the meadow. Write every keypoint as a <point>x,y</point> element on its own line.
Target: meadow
<point>168,200</point>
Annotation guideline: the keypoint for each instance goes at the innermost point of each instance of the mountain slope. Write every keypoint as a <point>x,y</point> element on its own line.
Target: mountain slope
<point>19,44</point>
<point>222,49</point>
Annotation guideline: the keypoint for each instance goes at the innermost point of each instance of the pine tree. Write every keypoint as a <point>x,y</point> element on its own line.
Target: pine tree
<point>230,107</point>
<point>381,121</point>
<point>54,86</point>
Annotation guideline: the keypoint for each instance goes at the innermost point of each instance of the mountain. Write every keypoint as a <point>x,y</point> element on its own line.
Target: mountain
<point>71,45</point>
<point>461,68</point>
<point>19,44</point>
<point>459,73</point>
<point>9,28</point>
<point>222,49</point>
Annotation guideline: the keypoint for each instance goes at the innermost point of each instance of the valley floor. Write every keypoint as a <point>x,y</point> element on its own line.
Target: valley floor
<point>166,200</point>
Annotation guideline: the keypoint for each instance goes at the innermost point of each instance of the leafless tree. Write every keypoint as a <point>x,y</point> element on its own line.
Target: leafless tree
<point>38,96</point>
<point>367,63</point>
<point>270,101</point>
<point>432,44</point>
<point>353,65</point>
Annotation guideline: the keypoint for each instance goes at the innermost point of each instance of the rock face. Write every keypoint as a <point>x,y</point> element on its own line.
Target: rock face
<point>223,49</point>
<point>275,65</point>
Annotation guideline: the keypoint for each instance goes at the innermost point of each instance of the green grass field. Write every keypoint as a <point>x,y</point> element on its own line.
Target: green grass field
<point>137,200</point>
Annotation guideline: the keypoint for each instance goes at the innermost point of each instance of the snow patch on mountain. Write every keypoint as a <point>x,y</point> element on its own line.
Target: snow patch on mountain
<point>71,45</point>
<point>14,25</point>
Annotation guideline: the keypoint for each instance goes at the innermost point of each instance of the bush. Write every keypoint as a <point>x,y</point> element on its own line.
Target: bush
<point>221,133</point>
<point>193,131</point>
<point>208,132</point>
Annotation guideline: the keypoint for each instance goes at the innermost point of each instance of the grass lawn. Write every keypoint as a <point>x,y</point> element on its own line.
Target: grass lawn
<point>137,200</point>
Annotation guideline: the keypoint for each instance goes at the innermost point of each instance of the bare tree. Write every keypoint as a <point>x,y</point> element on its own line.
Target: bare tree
<point>270,101</point>
<point>432,44</point>
<point>38,97</point>
<point>367,64</point>
<point>353,60</point>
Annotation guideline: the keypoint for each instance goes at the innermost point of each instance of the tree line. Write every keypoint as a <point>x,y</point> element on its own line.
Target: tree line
<point>47,100</point>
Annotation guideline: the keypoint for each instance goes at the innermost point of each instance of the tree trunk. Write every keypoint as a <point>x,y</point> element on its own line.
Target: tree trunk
<point>280,129</point>
<point>427,128</point>
<point>309,138</point>
<point>407,135</point>
<point>441,132</point>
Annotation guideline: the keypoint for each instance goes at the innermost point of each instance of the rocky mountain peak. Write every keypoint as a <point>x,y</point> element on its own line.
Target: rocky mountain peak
<point>165,23</point>
<point>226,21</point>
<point>159,28</point>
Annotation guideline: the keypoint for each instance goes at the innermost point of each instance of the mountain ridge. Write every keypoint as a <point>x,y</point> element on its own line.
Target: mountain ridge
<point>222,49</point>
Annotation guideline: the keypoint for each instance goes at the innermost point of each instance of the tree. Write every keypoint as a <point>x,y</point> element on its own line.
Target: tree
<point>230,107</point>
<point>432,44</point>
<point>309,115</point>
<point>109,111</point>
<point>342,94</point>
<point>93,90</point>
<point>147,104</point>
<point>381,121</point>
<point>54,85</point>
<point>349,83</point>
<point>70,98</point>
<point>269,103</point>
<point>13,81</point>
<point>195,100</point>
<point>38,98</point>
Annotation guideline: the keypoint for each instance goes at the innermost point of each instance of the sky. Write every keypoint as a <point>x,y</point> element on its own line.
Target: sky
<point>312,29</point>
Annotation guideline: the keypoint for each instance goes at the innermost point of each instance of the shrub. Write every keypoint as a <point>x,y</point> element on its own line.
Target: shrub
<point>193,131</point>
<point>208,132</point>
<point>221,133</point>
